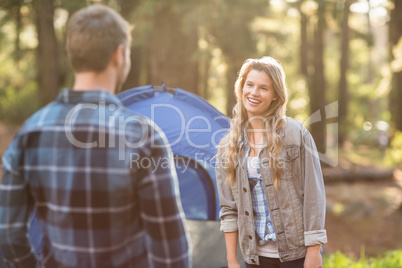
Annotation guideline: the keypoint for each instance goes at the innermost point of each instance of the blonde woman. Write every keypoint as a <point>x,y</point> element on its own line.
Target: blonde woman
<point>269,177</point>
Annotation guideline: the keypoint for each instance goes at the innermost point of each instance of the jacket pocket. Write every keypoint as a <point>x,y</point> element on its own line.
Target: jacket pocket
<point>294,216</point>
<point>290,156</point>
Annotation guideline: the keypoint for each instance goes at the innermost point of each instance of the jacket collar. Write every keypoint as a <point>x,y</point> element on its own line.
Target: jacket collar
<point>242,138</point>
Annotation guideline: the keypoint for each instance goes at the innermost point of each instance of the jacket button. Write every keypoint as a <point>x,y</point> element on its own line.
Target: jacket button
<point>250,237</point>
<point>247,213</point>
<point>245,190</point>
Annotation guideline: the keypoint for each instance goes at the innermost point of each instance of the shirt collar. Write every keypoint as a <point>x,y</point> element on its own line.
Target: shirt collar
<point>244,142</point>
<point>88,96</point>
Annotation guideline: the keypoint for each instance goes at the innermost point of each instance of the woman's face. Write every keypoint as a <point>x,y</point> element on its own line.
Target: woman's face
<point>258,93</point>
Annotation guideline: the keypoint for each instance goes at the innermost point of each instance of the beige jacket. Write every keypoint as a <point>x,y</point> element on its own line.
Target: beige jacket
<point>297,208</point>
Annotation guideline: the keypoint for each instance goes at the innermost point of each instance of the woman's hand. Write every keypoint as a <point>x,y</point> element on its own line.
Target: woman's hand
<point>313,257</point>
<point>233,264</point>
<point>231,249</point>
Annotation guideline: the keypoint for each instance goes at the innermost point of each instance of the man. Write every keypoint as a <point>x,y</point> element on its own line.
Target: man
<point>71,162</point>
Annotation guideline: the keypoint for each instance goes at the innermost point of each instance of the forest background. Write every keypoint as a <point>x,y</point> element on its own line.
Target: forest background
<point>343,60</point>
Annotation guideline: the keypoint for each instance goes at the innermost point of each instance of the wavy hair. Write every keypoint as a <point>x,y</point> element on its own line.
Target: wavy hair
<point>274,119</point>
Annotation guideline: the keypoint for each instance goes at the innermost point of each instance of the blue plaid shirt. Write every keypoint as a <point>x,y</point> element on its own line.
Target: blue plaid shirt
<point>103,184</point>
<point>262,218</point>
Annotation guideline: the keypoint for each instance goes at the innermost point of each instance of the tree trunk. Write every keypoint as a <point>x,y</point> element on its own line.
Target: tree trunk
<point>134,76</point>
<point>18,27</point>
<point>370,43</point>
<point>303,42</point>
<point>231,76</point>
<point>48,69</point>
<point>127,9</point>
<point>173,50</point>
<point>205,66</point>
<point>318,86</point>
<point>344,65</point>
<point>396,90</point>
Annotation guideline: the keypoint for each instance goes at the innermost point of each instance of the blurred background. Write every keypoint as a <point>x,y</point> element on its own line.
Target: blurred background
<point>343,60</point>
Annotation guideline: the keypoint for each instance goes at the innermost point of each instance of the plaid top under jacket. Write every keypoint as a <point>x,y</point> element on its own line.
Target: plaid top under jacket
<point>262,219</point>
<point>90,167</point>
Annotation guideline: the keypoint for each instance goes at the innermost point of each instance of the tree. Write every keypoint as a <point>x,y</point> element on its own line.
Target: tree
<point>318,84</point>
<point>230,26</point>
<point>395,33</point>
<point>127,9</point>
<point>304,51</point>
<point>47,60</point>
<point>344,65</point>
<point>13,9</point>
<point>173,45</point>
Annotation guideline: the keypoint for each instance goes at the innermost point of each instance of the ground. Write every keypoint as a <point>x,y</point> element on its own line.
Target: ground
<point>363,217</point>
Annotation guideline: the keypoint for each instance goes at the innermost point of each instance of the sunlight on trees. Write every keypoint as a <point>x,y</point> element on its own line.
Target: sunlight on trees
<point>201,46</point>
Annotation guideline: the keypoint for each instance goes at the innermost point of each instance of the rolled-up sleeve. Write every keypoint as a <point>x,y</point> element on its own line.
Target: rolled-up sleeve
<point>228,212</point>
<point>314,194</point>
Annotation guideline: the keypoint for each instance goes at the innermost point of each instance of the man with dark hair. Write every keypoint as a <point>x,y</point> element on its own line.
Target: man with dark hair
<point>72,163</point>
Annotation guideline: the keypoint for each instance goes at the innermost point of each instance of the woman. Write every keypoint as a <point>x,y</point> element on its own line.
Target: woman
<point>269,177</point>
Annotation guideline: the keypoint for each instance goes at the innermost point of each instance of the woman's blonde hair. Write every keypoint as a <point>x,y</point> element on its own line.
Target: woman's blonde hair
<point>274,119</point>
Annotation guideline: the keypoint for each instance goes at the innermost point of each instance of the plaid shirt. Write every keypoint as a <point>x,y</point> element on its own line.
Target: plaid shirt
<point>262,218</point>
<point>103,184</point>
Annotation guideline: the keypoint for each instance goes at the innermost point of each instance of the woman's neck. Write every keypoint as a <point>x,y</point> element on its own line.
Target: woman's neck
<point>255,134</point>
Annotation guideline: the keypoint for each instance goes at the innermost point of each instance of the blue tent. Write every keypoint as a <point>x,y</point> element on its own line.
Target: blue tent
<point>193,128</point>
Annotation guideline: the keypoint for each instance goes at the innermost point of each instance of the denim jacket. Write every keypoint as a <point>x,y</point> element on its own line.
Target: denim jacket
<point>297,207</point>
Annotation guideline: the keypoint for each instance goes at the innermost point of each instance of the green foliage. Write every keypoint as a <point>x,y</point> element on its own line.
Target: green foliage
<point>394,152</point>
<point>237,30</point>
<point>392,259</point>
<point>18,105</point>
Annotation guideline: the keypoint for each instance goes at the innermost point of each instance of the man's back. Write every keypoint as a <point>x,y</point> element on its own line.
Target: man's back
<point>102,183</point>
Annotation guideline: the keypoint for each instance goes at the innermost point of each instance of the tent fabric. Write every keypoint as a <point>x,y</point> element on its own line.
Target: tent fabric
<point>193,128</point>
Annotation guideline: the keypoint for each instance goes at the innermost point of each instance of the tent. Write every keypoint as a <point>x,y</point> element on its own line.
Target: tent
<point>193,128</point>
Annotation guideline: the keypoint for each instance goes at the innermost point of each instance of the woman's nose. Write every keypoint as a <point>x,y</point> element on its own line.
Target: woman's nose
<point>254,91</point>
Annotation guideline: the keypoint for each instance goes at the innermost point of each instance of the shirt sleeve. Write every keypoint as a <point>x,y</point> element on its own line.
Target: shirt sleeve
<point>314,194</point>
<point>15,209</point>
<point>167,238</point>
<point>228,212</point>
